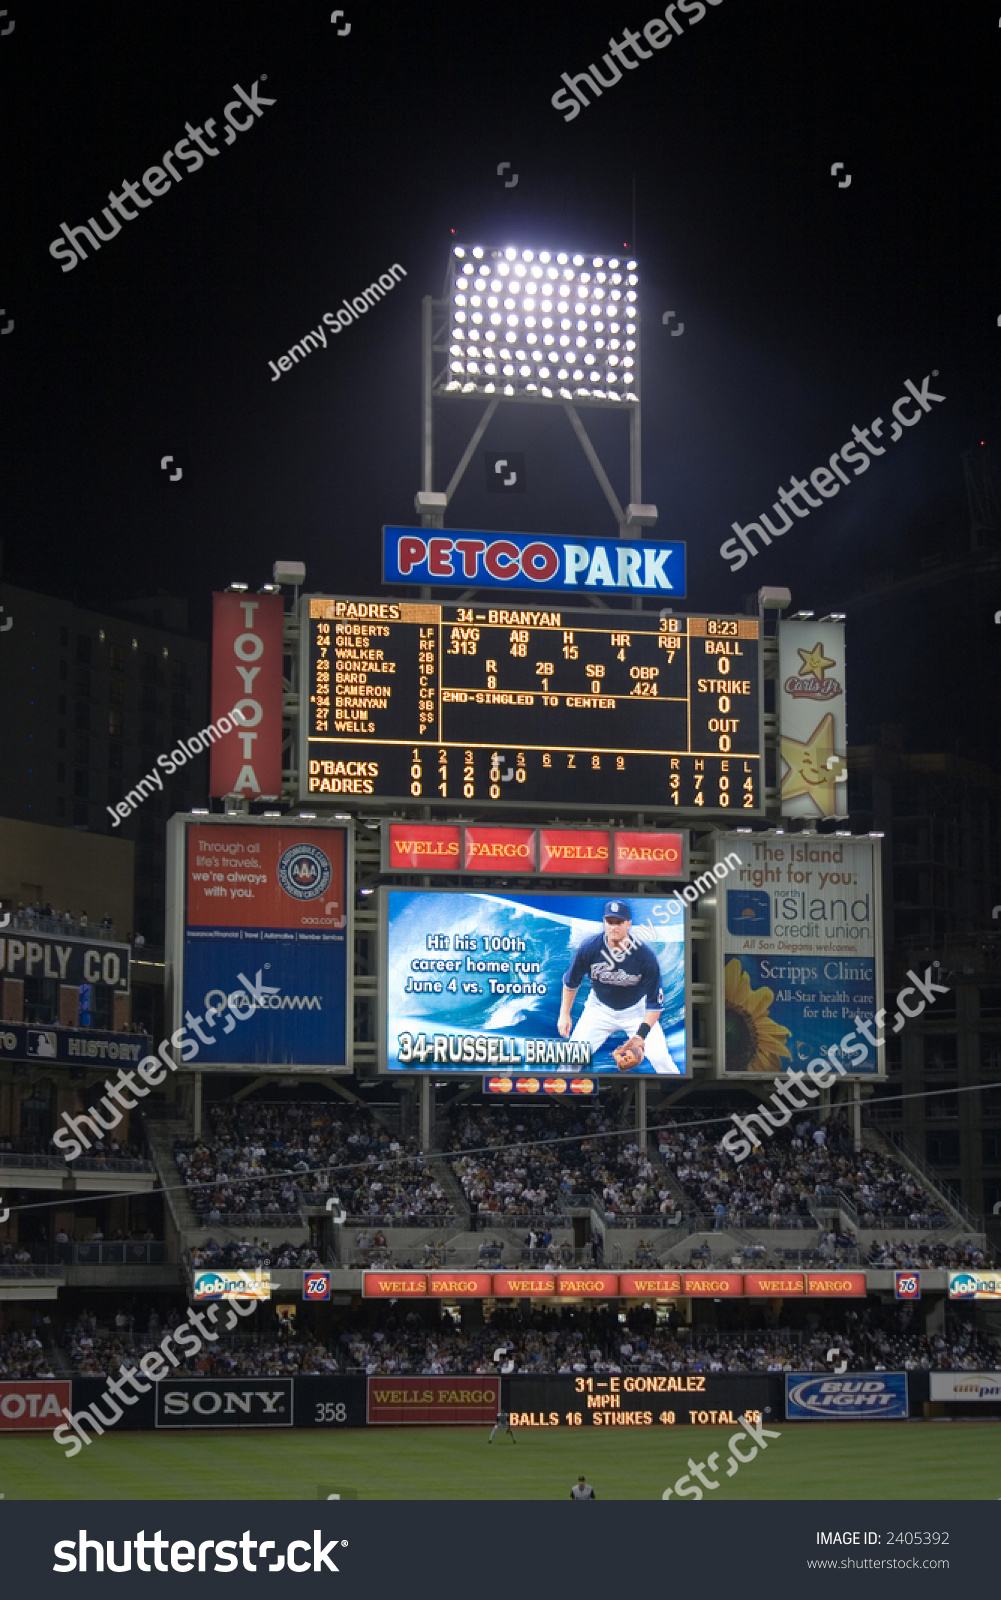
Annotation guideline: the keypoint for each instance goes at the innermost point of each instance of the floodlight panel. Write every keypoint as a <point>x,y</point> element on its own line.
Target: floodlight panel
<point>542,325</point>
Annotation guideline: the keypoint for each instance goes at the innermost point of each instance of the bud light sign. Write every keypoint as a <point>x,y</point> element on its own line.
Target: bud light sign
<point>862,1396</point>
<point>533,561</point>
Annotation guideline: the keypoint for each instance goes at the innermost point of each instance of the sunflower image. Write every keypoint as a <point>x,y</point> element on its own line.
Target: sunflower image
<point>753,1042</point>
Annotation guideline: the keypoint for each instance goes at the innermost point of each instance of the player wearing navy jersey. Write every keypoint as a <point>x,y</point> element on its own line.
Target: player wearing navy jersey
<point>625,997</point>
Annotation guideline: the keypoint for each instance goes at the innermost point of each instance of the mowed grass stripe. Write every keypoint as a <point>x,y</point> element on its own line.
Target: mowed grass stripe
<point>823,1461</point>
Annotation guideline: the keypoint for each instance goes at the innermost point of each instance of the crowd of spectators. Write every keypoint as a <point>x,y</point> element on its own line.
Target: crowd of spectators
<point>524,1164</point>
<point>36,917</point>
<point>23,1355</point>
<point>603,1345</point>
<point>251,1255</point>
<point>542,1341</point>
<point>257,1158</point>
<point>926,1253</point>
<point>800,1168</point>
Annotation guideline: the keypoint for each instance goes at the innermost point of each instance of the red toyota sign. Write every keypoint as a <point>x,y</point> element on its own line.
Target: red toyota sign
<point>32,1404</point>
<point>247,675</point>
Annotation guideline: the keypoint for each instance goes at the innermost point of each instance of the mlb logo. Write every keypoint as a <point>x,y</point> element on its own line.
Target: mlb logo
<point>315,1285</point>
<point>748,911</point>
<point>907,1285</point>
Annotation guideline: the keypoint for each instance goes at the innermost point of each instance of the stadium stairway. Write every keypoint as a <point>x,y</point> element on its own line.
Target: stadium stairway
<point>161,1136</point>
<point>959,1214</point>
<point>441,1170</point>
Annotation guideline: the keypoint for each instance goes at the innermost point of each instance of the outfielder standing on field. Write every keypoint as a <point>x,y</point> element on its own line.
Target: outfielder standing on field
<point>626,996</point>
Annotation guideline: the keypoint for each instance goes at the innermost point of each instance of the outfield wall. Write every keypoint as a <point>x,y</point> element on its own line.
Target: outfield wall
<point>598,1400</point>
<point>619,1400</point>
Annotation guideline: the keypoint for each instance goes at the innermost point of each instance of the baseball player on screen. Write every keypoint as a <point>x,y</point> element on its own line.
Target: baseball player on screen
<point>625,997</point>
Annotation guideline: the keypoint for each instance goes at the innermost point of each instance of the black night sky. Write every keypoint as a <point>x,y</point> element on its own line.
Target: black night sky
<point>806,305</point>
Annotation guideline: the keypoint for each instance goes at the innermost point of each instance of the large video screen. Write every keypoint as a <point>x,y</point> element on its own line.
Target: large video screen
<point>258,897</point>
<point>530,706</point>
<point>476,980</point>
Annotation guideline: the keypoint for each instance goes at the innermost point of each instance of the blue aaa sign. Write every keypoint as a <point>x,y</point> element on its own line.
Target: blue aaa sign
<point>459,558</point>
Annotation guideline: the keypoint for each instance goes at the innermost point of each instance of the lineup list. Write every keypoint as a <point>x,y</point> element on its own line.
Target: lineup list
<point>529,706</point>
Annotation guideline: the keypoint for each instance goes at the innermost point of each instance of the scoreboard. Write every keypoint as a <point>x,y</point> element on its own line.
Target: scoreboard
<point>406,701</point>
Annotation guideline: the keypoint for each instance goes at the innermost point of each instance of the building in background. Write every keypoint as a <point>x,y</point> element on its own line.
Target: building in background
<point>91,698</point>
<point>941,817</point>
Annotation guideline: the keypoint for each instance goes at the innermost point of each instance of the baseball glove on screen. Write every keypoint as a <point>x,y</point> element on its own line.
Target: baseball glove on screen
<point>630,1054</point>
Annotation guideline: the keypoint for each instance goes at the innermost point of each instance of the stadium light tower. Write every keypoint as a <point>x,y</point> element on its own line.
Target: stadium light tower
<point>535,327</point>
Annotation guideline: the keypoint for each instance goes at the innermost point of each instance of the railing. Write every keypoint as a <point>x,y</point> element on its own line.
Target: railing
<point>46,1163</point>
<point>30,1269</point>
<point>106,1253</point>
<point>69,928</point>
<point>844,1256</point>
<point>487,1221</point>
<point>900,1144</point>
<point>415,1219</point>
<point>250,1219</point>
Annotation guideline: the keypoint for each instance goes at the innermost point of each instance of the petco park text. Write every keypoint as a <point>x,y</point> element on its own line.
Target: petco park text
<point>533,561</point>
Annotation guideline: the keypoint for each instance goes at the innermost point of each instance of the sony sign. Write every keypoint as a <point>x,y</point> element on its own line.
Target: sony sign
<point>224,1403</point>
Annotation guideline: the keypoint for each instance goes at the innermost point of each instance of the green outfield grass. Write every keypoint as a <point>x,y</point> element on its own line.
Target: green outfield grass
<point>823,1461</point>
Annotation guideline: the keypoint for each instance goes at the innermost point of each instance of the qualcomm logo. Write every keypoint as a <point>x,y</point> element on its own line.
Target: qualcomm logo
<point>821,1396</point>
<point>268,1002</point>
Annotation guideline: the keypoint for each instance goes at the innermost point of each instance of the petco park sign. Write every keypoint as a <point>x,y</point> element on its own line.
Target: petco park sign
<point>532,561</point>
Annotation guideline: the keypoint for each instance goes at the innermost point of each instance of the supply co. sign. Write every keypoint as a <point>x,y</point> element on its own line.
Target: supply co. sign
<point>533,561</point>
